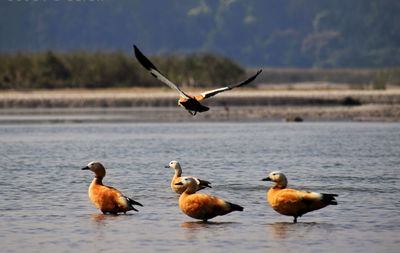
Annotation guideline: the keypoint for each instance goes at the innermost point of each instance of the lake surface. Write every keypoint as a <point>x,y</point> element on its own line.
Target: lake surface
<point>45,208</point>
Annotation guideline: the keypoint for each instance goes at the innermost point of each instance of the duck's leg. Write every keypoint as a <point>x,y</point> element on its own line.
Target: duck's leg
<point>295,219</point>
<point>193,113</point>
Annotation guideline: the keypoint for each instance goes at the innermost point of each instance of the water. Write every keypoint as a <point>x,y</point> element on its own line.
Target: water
<point>44,204</point>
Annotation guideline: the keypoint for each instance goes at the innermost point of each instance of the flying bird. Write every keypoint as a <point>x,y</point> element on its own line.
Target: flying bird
<point>106,198</point>
<point>292,202</point>
<point>190,103</point>
<point>201,184</point>
<point>202,206</point>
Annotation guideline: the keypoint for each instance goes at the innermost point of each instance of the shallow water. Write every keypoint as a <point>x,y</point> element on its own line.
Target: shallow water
<point>45,207</point>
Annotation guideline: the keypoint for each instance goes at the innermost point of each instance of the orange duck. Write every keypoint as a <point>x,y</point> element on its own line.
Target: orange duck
<point>106,198</point>
<point>190,103</point>
<point>201,184</point>
<point>292,202</point>
<point>202,206</point>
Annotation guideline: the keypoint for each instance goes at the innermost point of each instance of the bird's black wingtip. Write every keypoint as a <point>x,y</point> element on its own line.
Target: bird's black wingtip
<point>146,63</point>
<point>136,49</point>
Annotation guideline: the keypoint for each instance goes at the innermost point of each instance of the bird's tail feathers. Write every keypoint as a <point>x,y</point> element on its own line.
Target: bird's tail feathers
<point>329,198</point>
<point>133,202</point>
<point>204,184</point>
<point>235,207</point>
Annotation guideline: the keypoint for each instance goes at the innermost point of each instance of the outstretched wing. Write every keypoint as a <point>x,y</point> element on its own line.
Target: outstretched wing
<point>146,63</point>
<point>211,93</point>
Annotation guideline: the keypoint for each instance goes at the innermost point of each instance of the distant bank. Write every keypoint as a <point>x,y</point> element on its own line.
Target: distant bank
<point>147,105</point>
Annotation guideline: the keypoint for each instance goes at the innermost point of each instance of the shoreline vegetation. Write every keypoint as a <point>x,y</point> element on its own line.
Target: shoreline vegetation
<point>76,87</point>
<point>57,70</point>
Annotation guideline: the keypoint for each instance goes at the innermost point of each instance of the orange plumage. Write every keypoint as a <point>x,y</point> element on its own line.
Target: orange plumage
<point>202,206</point>
<point>292,202</point>
<point>106,198</point>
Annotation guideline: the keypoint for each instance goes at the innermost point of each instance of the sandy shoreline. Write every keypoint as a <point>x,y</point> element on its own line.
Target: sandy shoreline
<point>155,105</point>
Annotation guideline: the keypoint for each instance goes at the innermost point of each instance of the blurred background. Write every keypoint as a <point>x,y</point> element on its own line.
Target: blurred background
<point>288,33</point>
<point>300,44</point>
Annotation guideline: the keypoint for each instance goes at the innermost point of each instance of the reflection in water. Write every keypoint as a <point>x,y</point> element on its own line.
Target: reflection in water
<point>194,229</point>
<point>100,218</point>
<point>201,224</point>
<point>280,230</point>
<point>286,230</point>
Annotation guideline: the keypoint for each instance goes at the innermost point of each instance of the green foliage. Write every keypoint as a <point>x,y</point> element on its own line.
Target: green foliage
<point>289,33</point>
<point>89,70</point>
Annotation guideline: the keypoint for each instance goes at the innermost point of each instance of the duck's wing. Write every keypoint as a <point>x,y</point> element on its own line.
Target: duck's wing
<point>201,184</point>
<point>146,63</point>
<point>211,93</point>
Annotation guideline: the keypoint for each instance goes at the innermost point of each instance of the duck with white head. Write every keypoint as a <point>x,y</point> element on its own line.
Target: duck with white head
<point>293,202</point>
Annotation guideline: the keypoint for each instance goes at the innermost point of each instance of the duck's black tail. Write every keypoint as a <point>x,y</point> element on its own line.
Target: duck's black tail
<point>204,184</point>
<point>133,202</point>
<point>329,199</point>
<point>235,207</point>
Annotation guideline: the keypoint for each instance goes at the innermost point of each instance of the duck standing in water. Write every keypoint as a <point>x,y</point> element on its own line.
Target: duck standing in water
<point>106,198</point>
<point>190,103</point>
<point>201,184</point>
<point>292,202</point>
<point>202,206</point>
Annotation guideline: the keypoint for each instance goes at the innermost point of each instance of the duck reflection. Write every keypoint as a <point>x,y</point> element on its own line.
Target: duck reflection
<point>280,230</point>
<point>193,225</point>
<point>285,230</point>
<point>101,218</point>
<point>98,217</point>
<point>201,229</point>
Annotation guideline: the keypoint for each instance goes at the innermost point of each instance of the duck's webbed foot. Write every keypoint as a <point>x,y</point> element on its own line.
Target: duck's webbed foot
<point>193,113</point>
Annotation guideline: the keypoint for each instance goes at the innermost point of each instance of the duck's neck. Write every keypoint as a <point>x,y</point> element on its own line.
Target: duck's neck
<point>191,189</point>
<point>97,180</point>
<point>280,185</point>
<point>186,193</point>
<point>178,172</point>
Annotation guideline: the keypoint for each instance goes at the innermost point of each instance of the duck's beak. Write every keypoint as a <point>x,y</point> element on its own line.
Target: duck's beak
<point>266,179</point>
<point>166,166</point>
<point>179,183</point>
<point>86,168</point>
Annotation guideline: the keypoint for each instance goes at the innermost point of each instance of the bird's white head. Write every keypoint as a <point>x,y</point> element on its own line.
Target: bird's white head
<point>189,183</point>
<point>278,177</point>
<point>174,165</point>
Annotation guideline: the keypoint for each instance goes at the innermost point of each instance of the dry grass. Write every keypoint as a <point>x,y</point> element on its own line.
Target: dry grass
<point>244,104</point>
